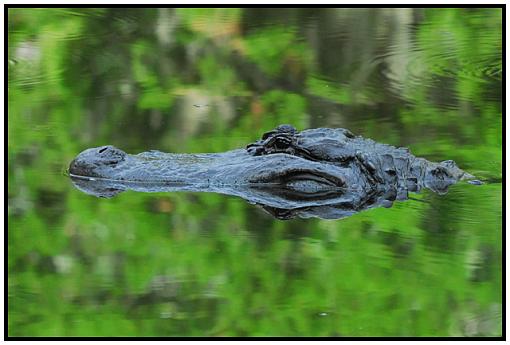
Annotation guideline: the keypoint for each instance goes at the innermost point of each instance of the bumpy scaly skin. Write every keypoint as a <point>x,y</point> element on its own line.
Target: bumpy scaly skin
<point>382,164</point>
<point>323,172</point>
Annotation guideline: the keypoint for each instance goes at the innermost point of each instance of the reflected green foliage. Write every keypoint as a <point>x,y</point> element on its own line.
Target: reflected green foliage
<point>273,48</point>
<point>210,80</point>
<point>327,90</point>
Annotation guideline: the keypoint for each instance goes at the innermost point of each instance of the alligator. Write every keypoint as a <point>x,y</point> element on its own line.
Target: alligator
<point>323,172</point>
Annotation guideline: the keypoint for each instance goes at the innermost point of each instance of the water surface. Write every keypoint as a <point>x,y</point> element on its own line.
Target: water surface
<point>210,80</point>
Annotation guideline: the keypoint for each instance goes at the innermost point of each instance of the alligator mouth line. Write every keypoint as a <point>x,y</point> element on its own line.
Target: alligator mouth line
<point>128,181</point>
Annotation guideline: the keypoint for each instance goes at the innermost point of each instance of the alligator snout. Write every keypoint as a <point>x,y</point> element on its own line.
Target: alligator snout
<point>91,162</point>
<point>110,154</point>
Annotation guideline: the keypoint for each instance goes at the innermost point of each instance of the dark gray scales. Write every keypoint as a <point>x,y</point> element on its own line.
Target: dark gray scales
<point>323,172</point>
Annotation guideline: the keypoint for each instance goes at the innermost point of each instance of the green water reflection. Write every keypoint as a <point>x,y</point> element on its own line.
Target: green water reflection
<point>209,80</point>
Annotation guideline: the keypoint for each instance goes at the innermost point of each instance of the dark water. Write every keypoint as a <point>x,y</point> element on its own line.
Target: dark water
<point>210,80</point>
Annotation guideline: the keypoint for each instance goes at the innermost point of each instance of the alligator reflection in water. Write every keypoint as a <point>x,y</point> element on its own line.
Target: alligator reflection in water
<point>326,173</point>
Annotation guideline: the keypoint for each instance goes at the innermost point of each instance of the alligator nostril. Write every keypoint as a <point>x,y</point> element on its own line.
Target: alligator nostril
<point>103,149</point>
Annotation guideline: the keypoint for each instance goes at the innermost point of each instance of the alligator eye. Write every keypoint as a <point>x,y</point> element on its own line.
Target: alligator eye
<point>103,149</point>
<point>282,143</point>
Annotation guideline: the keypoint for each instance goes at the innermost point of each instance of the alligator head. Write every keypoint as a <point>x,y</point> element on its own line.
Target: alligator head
<point>327,173</point>
<point>97,162</point>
